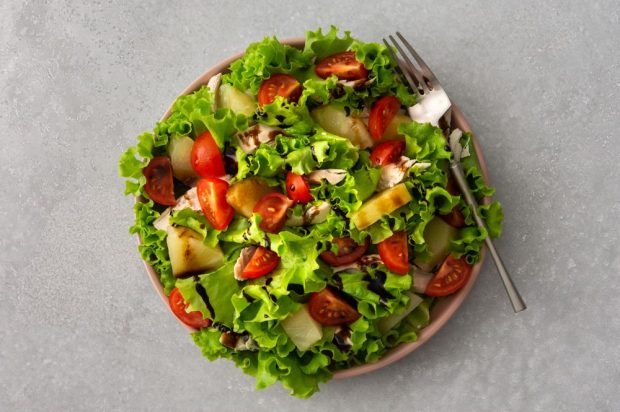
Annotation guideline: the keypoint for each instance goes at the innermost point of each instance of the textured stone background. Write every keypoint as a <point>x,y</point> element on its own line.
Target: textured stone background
<point>81,328</point>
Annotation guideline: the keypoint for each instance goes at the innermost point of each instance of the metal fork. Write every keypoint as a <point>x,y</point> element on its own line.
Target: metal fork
<point>425,84</point>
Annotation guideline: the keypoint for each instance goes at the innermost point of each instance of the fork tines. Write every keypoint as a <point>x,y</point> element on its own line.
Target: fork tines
<point>423,79</point>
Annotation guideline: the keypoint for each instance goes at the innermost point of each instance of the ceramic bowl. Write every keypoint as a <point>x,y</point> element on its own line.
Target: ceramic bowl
<point>441,311</point>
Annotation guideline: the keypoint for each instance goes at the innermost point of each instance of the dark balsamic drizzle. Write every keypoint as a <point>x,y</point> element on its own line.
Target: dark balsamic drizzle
<point>221,328</point>
<point>316,159</point>
<point>338,91</point>
<point>342,338</point>
<point>336,281</point>
<point>248,297</point>
<point>230,160</point>
<point>297,289</point>
<point>377,285</point>
<point>203,294</point>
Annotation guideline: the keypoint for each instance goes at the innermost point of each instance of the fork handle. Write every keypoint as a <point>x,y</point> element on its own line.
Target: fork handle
<point>513,294</point>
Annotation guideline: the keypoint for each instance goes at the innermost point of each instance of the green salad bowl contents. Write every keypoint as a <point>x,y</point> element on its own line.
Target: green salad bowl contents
<point>297,221</point>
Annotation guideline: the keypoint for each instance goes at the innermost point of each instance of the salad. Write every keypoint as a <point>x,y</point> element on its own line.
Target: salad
<point>297,218</point>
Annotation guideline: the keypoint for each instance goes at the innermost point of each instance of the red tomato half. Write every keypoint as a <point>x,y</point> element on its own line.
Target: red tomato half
<point>343,65</point>
<point>297,188</point>
<point>381,114</point>
<point>178,306</point>
<point>212,198</point>
<point>452,276</point>
<point>395,253</point>
<point>388,152</point>
<point>263,261</point>
<point>279,84</point>
<point>348,251</point>
<point>206,157</point>
<point>329,309</point>
<point>272,209</point>
<point>159,184</point>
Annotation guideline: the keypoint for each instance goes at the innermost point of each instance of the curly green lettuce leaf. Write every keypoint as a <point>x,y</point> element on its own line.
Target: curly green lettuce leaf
<point>424,141</point>
<point>493,216</point>
<point>468,243</point>
<point>317,92</point>
<point>197,222</point>
<point>384,79</point>
<point>299,263</point>
<point>266,161</point>
<point>153,247</point>
<point>193,114</point>
<point>134,159</point>
<point>470,240</point>
<point>407,330</point>
<point>293,117</point>
<point>440,200</point>
<point>321,45</point>
<point>301,375</point>
<point>358,185</point>
<point>219,286</point>
<point>261,60</point>
<point>335,152</point>
<point>378,291</point>
<point>471,167</point>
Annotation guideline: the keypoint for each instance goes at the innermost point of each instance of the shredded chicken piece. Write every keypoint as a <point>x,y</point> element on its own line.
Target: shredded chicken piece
<point>255,135</point>
<point>333,176</point>
<point>243,260</point>
<point>188,200</point>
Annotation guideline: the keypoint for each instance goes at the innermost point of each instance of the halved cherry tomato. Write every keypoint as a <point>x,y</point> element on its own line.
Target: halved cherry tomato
<point>381,114</point>
<point>395,253</point>
<point>159,184</point>
<point>348,251</point>
<point>263,261</point>
<point>388,152</point>
<point>206,157</point>
<point>212,198</point>
<point>329,309</point>
<point>343,65</point>
<point>272,208</point>
<point>452,276</point>
<point>279,84</point>
<point>297,188</point>
<point>179,308</point>
<point>455,218</point>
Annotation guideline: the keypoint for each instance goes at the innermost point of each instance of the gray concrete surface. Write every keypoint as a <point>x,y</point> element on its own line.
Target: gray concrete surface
<point>81,328</point>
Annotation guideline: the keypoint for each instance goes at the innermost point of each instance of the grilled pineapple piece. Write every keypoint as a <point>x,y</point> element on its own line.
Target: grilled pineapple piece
<point>335,120</point>
<point>188,254</point>
<point>437,235</point>
<point>180,149</point>
<point>381,204</point>
<point>244,195</point>
<point>387,323</point>
<point>302,329</point>
<point>234,99</point>
<point>391,131</point>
